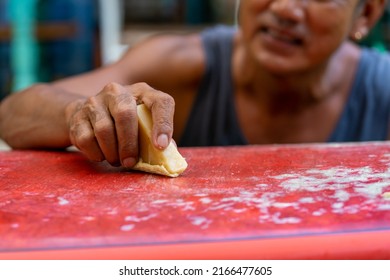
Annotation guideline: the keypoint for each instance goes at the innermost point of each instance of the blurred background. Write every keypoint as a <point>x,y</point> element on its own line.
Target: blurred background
<point>45,40</point>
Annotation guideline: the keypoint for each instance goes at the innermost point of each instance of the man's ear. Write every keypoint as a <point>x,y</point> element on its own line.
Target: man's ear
<point>367,15</point>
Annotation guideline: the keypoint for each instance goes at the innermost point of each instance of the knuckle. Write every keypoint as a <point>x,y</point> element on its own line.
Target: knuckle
<point>112,87</point>
<point>163,102</point>
<point>123,101</point>
<point>76,126</point>
<point>75,119</point>
<point>97,117</point>
<point>84,139</point>
<point>111,90</point>
<point>124,114</point>
<point>141,90</point>
<point>167,101</point>
<point>90,105</point>
<point>91,101</point>
<point>92,111</point>
<point>74,108</point>
<point>142,86</point>
<point>103,127</point>
<point>164,124</point>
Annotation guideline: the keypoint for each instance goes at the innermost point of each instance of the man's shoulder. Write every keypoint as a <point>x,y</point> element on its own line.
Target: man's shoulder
<point>219,32</point>
<point>375,58</point>
<point>376,68</point>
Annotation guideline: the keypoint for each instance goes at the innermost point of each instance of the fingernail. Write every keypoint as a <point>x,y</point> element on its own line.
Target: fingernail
<point>162,141</point>
<point>129,162</point>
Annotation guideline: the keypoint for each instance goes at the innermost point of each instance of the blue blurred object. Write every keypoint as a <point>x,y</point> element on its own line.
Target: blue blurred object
<point>59,56</point>
<point>5,55</point>
<point>199,12</point>
<point>24,47</point>
<point>68,56</point>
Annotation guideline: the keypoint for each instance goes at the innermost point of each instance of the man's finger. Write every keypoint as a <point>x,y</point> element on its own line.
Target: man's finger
<point>123,109</point>
<point>162,107</point>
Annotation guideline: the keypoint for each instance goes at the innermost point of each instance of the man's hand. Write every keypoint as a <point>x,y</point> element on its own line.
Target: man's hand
<point>105,126</point>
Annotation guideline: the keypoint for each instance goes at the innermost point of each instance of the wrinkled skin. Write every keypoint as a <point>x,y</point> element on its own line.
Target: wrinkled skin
<point>105,126</point>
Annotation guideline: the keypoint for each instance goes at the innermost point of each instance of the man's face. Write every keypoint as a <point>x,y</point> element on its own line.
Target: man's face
<point>295,35</point>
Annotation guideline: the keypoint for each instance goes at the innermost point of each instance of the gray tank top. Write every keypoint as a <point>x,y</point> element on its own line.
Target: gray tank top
<point>213,119</point>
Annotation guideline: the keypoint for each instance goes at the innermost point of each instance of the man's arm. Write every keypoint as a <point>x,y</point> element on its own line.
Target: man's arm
<point>33,118</point>
<point>100,119</point>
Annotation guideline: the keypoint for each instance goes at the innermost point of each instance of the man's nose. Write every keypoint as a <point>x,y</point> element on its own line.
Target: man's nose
<point>288,10</point>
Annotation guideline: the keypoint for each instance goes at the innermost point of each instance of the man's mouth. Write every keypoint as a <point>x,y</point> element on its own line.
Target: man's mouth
<point>284,36</point>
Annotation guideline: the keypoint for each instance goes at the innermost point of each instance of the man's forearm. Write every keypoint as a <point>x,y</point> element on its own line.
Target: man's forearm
<point>35,118</point>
